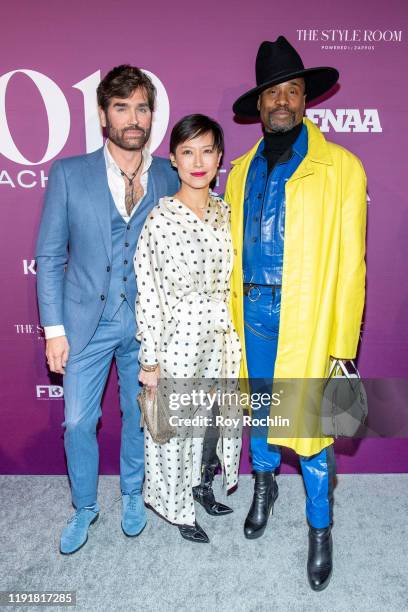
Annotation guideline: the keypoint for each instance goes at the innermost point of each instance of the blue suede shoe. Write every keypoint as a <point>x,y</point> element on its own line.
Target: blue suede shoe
<point>133,514</point>
<point>75,534</point>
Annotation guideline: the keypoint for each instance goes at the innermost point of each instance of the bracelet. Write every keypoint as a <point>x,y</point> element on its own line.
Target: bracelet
<point>149,368</point>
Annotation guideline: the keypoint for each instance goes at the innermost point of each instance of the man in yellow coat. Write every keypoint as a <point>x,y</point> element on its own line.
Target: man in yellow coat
<point>298,224</point>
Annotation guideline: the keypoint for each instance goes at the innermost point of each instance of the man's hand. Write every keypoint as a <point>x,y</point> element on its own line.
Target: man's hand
<point>150,380</point>
<point>57,351</point>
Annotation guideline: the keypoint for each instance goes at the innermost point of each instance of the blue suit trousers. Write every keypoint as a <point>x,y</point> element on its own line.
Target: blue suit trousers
<point>261,315</point>
<point>84,383</point>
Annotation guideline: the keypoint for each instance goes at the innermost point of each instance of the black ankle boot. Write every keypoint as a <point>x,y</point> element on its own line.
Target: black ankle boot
<point>320,558</point>
<point>194,533</point>
<point>204,493</point>
<point>265,495</point>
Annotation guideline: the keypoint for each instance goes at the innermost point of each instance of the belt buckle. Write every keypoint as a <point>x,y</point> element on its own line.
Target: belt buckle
<point>256,297</point>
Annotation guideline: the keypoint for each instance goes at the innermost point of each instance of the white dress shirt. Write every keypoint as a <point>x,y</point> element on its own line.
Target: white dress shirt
<point>117,188</point>
<point>116,181</point>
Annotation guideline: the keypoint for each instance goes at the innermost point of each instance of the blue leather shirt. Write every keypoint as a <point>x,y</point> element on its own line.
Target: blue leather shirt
<point>264,214</point>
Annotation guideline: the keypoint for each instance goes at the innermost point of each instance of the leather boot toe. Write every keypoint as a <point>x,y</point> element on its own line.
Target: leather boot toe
<point>320,558</point>
<point>194,533</point>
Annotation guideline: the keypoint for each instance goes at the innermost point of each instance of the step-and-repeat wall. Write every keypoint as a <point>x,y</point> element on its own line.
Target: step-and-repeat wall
<point>201,58</point>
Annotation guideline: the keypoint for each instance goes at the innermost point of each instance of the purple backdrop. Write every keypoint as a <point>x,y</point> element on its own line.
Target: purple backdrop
<point>204,56</point>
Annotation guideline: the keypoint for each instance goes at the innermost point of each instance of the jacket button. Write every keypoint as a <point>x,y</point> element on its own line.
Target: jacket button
<point>235,252</point>
<point>102,297</point>
<point>125,278</point>
<point>122,295</point>
<point>235,294</point>
<point>108,268</point>
<point>125,262</point>
<point>126,244</point>
<point>128,227</point>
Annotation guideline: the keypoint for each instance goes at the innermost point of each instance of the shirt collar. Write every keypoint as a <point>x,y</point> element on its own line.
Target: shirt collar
<point>300,144</point>
<point>112,165</point>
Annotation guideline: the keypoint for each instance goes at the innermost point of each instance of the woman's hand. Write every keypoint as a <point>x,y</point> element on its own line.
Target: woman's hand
<point>150,380</point>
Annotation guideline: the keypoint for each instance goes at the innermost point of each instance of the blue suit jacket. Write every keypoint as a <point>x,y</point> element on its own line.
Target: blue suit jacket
<point>74,246</point>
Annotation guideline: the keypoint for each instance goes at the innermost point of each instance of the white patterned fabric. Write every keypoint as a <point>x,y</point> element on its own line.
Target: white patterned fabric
<point>183,266</point>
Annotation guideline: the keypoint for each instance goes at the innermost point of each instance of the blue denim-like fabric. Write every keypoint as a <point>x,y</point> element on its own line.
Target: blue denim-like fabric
<point>264,214</point>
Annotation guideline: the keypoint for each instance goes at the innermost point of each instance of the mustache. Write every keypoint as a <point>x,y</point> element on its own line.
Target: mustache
<point>282,108</point>
<point>133,128</point>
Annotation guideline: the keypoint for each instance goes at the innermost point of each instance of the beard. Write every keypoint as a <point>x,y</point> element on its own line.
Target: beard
<point>118,137</point>
<point>281,126</point>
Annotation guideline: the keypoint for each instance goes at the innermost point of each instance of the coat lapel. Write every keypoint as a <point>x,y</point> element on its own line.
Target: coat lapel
<point>240,169</point>
<point>96,181</point>
<point>153,178</point>
<point>318,154</point>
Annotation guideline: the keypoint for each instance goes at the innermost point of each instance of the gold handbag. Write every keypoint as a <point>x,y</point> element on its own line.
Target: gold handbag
<point>155,415</point>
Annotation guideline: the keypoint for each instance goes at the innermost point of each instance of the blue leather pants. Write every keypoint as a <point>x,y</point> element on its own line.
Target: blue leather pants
<point>261,315</point>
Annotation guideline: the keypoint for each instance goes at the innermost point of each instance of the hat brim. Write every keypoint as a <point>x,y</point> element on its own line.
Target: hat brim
<point>318,81</point>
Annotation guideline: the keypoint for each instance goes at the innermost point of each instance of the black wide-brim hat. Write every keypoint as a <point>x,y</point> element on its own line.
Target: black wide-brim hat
<point>277,62</point>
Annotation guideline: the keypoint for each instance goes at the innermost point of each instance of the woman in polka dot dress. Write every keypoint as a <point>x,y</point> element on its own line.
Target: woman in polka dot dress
<point>183,264</point>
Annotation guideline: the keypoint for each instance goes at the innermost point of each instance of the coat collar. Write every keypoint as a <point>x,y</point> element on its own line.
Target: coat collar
<point>318,149</point>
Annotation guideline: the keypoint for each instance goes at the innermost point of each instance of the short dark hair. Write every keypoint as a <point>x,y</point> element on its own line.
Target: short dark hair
<point>192,126</point>
<point>121,82</point>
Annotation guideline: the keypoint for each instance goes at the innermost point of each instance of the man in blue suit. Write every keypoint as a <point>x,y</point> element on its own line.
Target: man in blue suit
<point>94,209</point>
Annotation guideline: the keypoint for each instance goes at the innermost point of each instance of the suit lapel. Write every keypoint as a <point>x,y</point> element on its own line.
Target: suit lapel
<point>153,177</point>
<point>96,181</point>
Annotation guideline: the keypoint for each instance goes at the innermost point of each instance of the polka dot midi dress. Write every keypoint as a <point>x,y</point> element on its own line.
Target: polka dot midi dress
<point>183,266</point>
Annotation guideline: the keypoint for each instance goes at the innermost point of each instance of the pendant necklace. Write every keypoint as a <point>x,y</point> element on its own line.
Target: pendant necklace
<point>131,185</point>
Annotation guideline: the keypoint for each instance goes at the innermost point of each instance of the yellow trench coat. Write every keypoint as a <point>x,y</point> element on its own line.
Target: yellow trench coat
<point>323,281</point>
